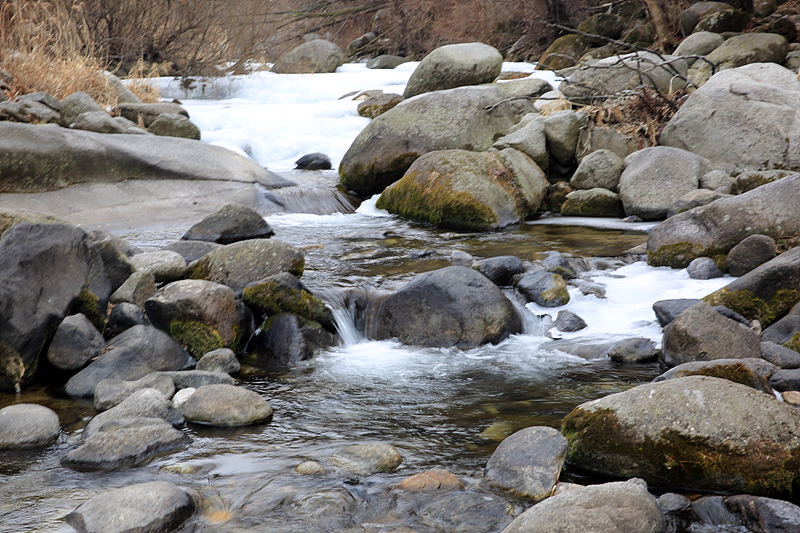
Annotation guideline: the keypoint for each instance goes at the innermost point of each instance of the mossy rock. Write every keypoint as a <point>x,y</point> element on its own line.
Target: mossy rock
<point>593,203</point>
<point>563,53</point>
<point>88,303</point>
<point>752,307</point>
<point>198,338</point>
<point>272,298</point>
<point>604,25</point>
<point>695,433</point>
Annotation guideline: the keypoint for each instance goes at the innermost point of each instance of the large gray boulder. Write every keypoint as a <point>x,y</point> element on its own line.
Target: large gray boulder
<point>695,433</point>
<point>468,190</point>
<point>740,50</point>
<point>714,229</point>
<point>144,403</point>
<point>313,57</point>
<point>601,168</point>
<point>527,464</point>
<point>442,120</point>
<point>112,392</point>
<point>47,157</point>
<point>529,138</point>
<point>453,306</point>
<point>130,356</point>
<point>621,507</point>
<point>27,425</point>
<point>742,119</point>
<point>285,293</point>
<point>455,65</point>
<point>226,406</point>
<point>75,343</point>
<point>700,333</point>
<point>749,371</point>
<point>700,43</point>
<point>655,178</point>
<point>232,223</point>
<point>46,271</point>
<point>153,506</point>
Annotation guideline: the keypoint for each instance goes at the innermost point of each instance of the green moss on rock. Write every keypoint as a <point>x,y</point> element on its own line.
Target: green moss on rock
<point>198,338</point>
<point>677,255</point>
<point>272,298</point>
<point>88,303</point>
<point>750,306</point>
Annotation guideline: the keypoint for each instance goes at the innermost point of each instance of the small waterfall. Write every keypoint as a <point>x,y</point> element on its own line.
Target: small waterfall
<point>356,312</point>
<point>531,324</point>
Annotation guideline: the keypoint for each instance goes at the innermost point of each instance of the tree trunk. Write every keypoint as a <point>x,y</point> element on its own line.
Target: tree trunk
<point>661,23</point>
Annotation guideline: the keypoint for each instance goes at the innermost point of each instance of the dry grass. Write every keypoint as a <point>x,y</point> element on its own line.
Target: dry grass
<point>45,46</point>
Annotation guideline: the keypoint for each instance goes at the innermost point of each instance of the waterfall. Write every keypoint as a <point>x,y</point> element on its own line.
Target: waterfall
<point>355,311</point>
<point>531,324</point>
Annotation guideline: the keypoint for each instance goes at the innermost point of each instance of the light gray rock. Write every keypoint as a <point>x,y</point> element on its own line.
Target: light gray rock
<point>124,316</point>
<point>545,288</point>
<point>192,250</point>
<point>386,62</point>
<point>194,379</point>
<point>313,57</point>
<point>146,114</point>
<point>621,507</point>
<point>742,50</point>
<point>153,506</point>
<point>124,95</point>
<point>527,464</point>
<point>111,392</point>
<point>692,199</point>
<point>136,289</point>
<point>703,268</point>
<point>455,65</point>
<point>226,406</point>
<point>75,104</point>
<point>700,333</point>
<point>174,125</point>
<point>144,403</point>
<point>700,43</point>
<point>530,139</point>
<point>98,121</point>
<point>165,265</point>
<point>75,343</point>
<point>27,425</point>
<point>562,130</point>
<point>655,178</point>
<point>29,111</point>
<point>595,202</point>
<point>221,360</point>
<point>601,168</point>
<point>633,350</point>
<point>377,105</point>
<point>718,180</point>
<point>368,458</point>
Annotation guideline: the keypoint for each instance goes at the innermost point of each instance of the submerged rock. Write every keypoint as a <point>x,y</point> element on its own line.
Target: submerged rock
<point>368,458</point>
<point>465,512</point>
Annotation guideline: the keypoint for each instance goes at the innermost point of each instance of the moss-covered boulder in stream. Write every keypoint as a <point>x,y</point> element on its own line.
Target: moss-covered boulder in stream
<point>284,293</point>
<point>695,433</point>
<point>468,190</point>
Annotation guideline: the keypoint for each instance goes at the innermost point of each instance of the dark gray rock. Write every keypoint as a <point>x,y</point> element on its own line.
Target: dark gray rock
<point>455,65</point>
<point>500,269</point>
<point>780,356</point>
<point>314,161</point>
<point>558,263</point>
<point>622,507</point>
<point>130,356</point>
<point>765,514</point>
<point>75,343</point>
<point>751,252</point>
<point>453,306</point>
<point>386,62</point>
<point>75,104</point>
<point>46,271</point>
<point>145,507</point>
<point>148,113</point>
<point>568,321</point>
<point>136,289</point>
<point>226,406</point>
<point>545,288</point>
<point>702,334</point>
<point>192,250</point>
<point>221,360</point>
<point>331,507</point>
<point>368,458</point>
<point>634,350</point>
<point>676,510</point>
<point>113,448</point>
<point>144,403</point>
<point>195,379</point>
<point>288,339</point>
<point>112,392</point>
<point>124,316</point>
<point>784,380</point>
<point>313,57</point>
<point>668,310</point>
<point>703,268</point>
<point>733,315</point>
<point>114,252</point>
<point>754,373</point>
<point>711,511</point>
<point>174,125</point>
<point>784,330</point>
<point>27,425</point>
<point>465,512</point>
<point>285,293</point>
<point>232,223</point>
<point>527,464</point>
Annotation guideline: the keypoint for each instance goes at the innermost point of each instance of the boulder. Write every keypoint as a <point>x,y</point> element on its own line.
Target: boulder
<point>455,65</point>
<point>527,464</point>
<point>601,168</point>
<point>780,356</point>
<point>700,43</point>
<point>130,356</point>
<point>232,223</point>
<point>703,268</point>
<point>144,403</point>
<point>115,447</point>
<point>46,271</point>
<point>201,315</point>
<point>785,380</point>
<point>453,306</point>
<point>241,263</point>
<point>724,20</point>
<point>719,181</point>
<point>558,263</point>
<point>441,120</point>
<point>529,139</point>
<point>617,74</point>
<point>741,119</point>
<point>226,406</point>
<point>465,512</point>
<point>764,514</point>
<point>221,360</point>
<point>714,229</point>
<point>692,199</point>
<point>30,111</point>
<point>621,507</point>
<point>165,265</point>
<point>655,178</point>
<point>741,50</point>
<point>192,250</point>
<point>750,253</point>
<point>544,288</point>
<point>174,125</point>
<point>500,269</point>
<point>562,130</point>
<point>313,57</point>
<point>563,53</point>
<point>284,293</point>
<point>702,334</point>
<point>377,105</point>
<point>153,506</point>
<point>98,121</point>
<point>76,103</point>
<point>435,479</point>
<point>386,62</point>
<point>288,339</point>
<point>112,392</point>
<point>314,161</point>
<point>568,321</point>
<point>124,95</point>
<point>752,179</point>
<point>37,158</point>
<point>595,202</point>
<point>124,316</point>
<point>766,293</point>
<point>468,190</point>
<point>27,425</point>
<point>194,379</point>
<point>754,373</point>
<point>10,217</point>
<point>368,458</point>
<point>75,343</point>
<point>136,289</point>
<point>146,114</point>
<point>783,330</point>
<point>633,350</point>
<point>115,258</point>
<point>695,433</point>
<point>359,43</point>
<point>604,25</point>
